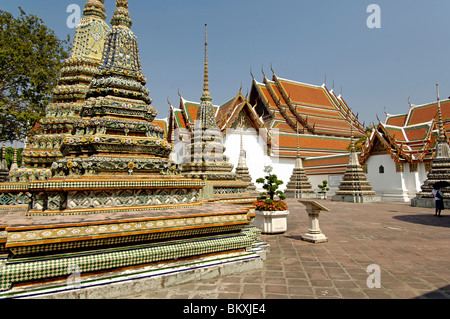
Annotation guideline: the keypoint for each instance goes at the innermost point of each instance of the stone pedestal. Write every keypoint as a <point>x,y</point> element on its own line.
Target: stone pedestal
<point>271,222</point>
<point>314,234</point>
<point>356,198</point>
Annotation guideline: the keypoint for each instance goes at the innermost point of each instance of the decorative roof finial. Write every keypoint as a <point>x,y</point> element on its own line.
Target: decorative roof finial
<point>121,16</point>
<point>206,96</point>
<point>264,74</point>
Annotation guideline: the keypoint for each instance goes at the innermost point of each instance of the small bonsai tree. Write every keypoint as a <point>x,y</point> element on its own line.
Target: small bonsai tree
<point>267,201</point>
<point>323,187</point>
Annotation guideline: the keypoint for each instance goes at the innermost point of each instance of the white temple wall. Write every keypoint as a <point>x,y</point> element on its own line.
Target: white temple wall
<point>384,179</point>
<point>257,159</point>
<point>255,149</point>
<point>392,185</point>
<point>333,182</point>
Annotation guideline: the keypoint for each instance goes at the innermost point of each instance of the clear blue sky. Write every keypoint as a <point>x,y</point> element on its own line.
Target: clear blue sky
<point>303,40</point>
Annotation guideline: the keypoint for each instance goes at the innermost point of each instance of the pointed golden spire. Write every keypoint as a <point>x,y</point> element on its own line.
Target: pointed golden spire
<point>95,8</point>
<point>121,16</point>
<point>352,139</point>
<point>440,122</point>
<point>206,96</point>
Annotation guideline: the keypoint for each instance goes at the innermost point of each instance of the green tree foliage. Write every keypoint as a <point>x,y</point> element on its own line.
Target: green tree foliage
<point>271,184</point>
<point>10,156</point>
<point>324,187</point>
<point>31,56</point>
<point>359,143</point>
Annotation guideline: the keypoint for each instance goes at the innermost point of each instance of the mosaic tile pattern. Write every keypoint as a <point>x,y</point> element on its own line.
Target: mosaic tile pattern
<point>119,240</point>
<point>17,237</point>
<point>39,269</point>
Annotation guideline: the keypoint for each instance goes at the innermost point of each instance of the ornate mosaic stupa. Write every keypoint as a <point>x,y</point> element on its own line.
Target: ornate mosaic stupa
<point>43,147</point>
<point>242,169</point>
<point>115,134</point>
<point>440,168</point>
<point>355,187</point>
<point>206,159</point>
<point>299,185</point>
<point>4,172</point>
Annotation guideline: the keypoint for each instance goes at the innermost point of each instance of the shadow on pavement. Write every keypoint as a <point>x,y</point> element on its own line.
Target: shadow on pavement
<point>441,293</point>
<point>426,219</point>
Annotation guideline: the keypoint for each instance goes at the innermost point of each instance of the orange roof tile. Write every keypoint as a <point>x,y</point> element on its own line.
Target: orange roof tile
<point>314,142</point>
<point>417,133</point>
<point>396,133</point>
<point>162,124</point>
<point>425,113</point>
<point>396,120</point>
<point>326,161</point>
<point>305,94</point>
<point>312,111</point>
<point>268,97</point>
<point>180,119</point>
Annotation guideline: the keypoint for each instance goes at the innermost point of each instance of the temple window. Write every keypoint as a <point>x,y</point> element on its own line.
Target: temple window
<point>381,169</point>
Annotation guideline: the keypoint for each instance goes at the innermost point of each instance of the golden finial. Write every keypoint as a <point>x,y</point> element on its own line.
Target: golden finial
<point>206,96</point>
<point>95,8</point>
<point>352,140</point>
<point>440,122</point>
<point>121,16</point>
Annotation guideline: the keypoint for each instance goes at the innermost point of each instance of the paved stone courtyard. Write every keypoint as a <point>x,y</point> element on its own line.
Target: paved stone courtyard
<point>410,245</point>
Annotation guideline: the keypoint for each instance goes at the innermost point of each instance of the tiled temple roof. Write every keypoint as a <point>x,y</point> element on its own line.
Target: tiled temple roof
<point>410,137</point>
<point>333,164</point>
<point>278,107</point>
<point>315,108</point>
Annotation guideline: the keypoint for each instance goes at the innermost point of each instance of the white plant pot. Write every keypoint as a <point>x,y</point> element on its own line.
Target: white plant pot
<point>271,222</point>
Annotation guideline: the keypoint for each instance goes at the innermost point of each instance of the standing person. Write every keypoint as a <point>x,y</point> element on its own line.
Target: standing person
<point>439,200</point>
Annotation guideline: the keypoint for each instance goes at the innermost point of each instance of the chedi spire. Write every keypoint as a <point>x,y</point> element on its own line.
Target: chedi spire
<point>95,8</point>
<point>121,17</point>
<point>206,96</point>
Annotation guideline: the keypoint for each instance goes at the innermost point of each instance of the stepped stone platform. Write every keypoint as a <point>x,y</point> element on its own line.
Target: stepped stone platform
<point>39,252</point>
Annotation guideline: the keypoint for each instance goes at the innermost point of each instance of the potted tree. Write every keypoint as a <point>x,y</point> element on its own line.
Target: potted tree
<point>271,210</point>
<point>323,190</point>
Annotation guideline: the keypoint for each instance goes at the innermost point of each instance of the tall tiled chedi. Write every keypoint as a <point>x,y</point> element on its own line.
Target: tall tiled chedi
<point>206,159</point>
<point>117,210</point>
<point>440,168</point>
<point>43,147</point>
<point>242,169</point>
<point>4,172</point>
<point>299,185</point>
<point>354,187</point>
